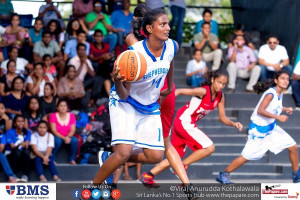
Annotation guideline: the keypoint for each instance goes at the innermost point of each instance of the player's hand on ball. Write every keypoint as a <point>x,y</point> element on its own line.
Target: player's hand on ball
<point>238,125</point>
<point>282,118</point>
<point>117,76</point>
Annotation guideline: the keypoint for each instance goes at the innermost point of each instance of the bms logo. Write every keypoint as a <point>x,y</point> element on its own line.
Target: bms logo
<point>27,189</point>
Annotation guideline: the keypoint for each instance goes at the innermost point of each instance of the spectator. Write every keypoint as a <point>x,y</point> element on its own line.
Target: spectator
<point>48,12</point>
<point>36,82</point>
<point>83,68</point>
<point>57,35</point>
<point>101,59</point>
<point>18,139</point>
<point>17,99</point>
<point>48,67</point>
<point>195,69</point>
<point>62,125</point>
<point>71,88</point>
<point>22,65</point>
<point>272,57</point>
<point>15,34</point>
<point>240,30</point>
<point>6,9</point>
<point>242,64</point>
<point>5,124</point>
<point>153,4</point>
<point>81,8</point>
<point>6,80</point>
<point>178,13</point>
<point>35,33</point>
<point>42,144</point>
<point>113,5</point>
<point>207,15</point>
<point>74,27</point>
<point>126,175</point>
<point>121,20</point>
<point>48,46</point>
<point>208,43</point>
<point>70,48</point>
<point>98,20</point>
<point>1,55</point>
<point>48,101</point>
<point>296,85</point>
<point>32,115</point>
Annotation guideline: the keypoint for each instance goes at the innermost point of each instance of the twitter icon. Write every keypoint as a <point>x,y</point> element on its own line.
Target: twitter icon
<point>96,194</point>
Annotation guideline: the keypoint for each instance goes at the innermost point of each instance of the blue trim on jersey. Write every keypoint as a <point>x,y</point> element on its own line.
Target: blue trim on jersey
<point>123,140</point>
<point>163,52</point>
<point>143,109</point>
<point>262,129</point>
<point>175,47</point>
<point>149,145</point>
<point>159,133</point>
<point>130,48</point>
<point>279,97</point>
<point>147,51</point>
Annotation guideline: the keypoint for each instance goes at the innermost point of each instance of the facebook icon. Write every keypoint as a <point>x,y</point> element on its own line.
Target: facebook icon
<point>76,194</point>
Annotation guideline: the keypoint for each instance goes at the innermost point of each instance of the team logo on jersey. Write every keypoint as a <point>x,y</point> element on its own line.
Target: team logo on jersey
<point>10,189</point>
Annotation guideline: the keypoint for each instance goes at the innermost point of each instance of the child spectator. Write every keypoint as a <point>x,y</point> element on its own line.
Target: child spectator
<point>296,85</point>
<point>32,115</point>
<point>57,34</point>
<point>42,144</point>
<point>18,139</point>
<point>48,101</point>
<point>35,33</point>
<point>49,68</point>
<point>207,15</point>
<point>6,80</point>
<point>74,27</point>
<point>195,69</point>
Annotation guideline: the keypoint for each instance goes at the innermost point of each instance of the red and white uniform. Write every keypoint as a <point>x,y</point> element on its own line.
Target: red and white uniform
<point>185,130</point>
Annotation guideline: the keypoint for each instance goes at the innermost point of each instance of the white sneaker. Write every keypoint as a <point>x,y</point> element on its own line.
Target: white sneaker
<point>24,178</point>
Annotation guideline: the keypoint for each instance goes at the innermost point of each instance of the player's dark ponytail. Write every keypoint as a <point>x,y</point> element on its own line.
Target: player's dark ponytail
<point>139,12</point>
<point>213,74</point>
<point>262,86</point>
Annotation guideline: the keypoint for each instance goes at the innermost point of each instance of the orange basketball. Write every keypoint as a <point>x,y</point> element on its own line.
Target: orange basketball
<point>132,64</point>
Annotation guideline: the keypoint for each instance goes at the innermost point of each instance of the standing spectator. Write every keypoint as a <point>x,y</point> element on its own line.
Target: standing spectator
<point>42,144</point>
<point>208,43</point>
<point>71,88</point>
<point>36,82</point>
<point>48,67</point>
<point>32,115</point>
<point>57,34</point>
<point>48,101</point>
<point>6,80</point>
<point>22,65</point>
<point>48,46</point>
<point>240,30</point>
<point>74,27</point>
<point>242,64</point>
<point>296,85</point>
<point>207,17</point>
<point>48,12</point>
<point>101,59</point>
<point>121,20</point>
<point>178,13</point>
<point>17,99</point>
<point>70,48</point>
<point>99,20</point>
<point>18,139</point>
<point>153,4</point>
<point>35,33</point>
<point>62,125</point>
<point>195,69</point>
<point>81,8</point>
<point>272,57</point>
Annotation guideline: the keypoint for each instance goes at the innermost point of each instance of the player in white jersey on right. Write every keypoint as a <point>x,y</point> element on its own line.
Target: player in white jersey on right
<point>264,133</point>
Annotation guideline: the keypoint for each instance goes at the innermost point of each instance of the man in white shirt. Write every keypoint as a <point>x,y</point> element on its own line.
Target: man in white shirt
<point>272,57</point>
<point>296,85</point>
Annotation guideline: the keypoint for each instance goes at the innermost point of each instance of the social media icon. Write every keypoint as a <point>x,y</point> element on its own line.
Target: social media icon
<point>76,194</point>
<point>105,194</point>
<point>115,194</point>
<point>96,194</point>
<point>86,194</point>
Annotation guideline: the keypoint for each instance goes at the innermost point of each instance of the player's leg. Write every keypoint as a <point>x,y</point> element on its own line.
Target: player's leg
<point>199,154</point>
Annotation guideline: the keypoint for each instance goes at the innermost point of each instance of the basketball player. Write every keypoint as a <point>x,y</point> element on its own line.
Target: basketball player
<point>264,133</point>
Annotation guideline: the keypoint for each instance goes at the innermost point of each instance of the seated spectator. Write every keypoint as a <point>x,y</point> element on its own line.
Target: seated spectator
<point>6,10</point>
<point>62,125</point>
<point>195,69</point>
<point>101,59</point>
<point>85,72</point>
<point>35,33</point>
<point>296,85</point>
<point>48,101</point>
<point>121,20</point>
<point>32,115</point>
<point>98,20</point>
<point>81,8</point>
<point>57,34</point>
<point>48,67</point>
<point>242,64</point>
<point>15,34</point>
<point>22,65</point>
<point>48,12</point>
<point>74,27</point>
<point>48,46</point>
<point>17,99</point>
<point>36,82</point>
<point>5,124</point>
<point>71,88</point>
<point>18,139</point>
<point>239,30</point>
<point>42,144</point>
<point>70,48</point>
<point>207,15</point>
<point>208,43</point>
<point>272,57</point>
<point>6,80</point>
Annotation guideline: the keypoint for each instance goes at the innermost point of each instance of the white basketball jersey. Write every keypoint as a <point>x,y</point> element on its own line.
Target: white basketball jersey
<point>275,107</point>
